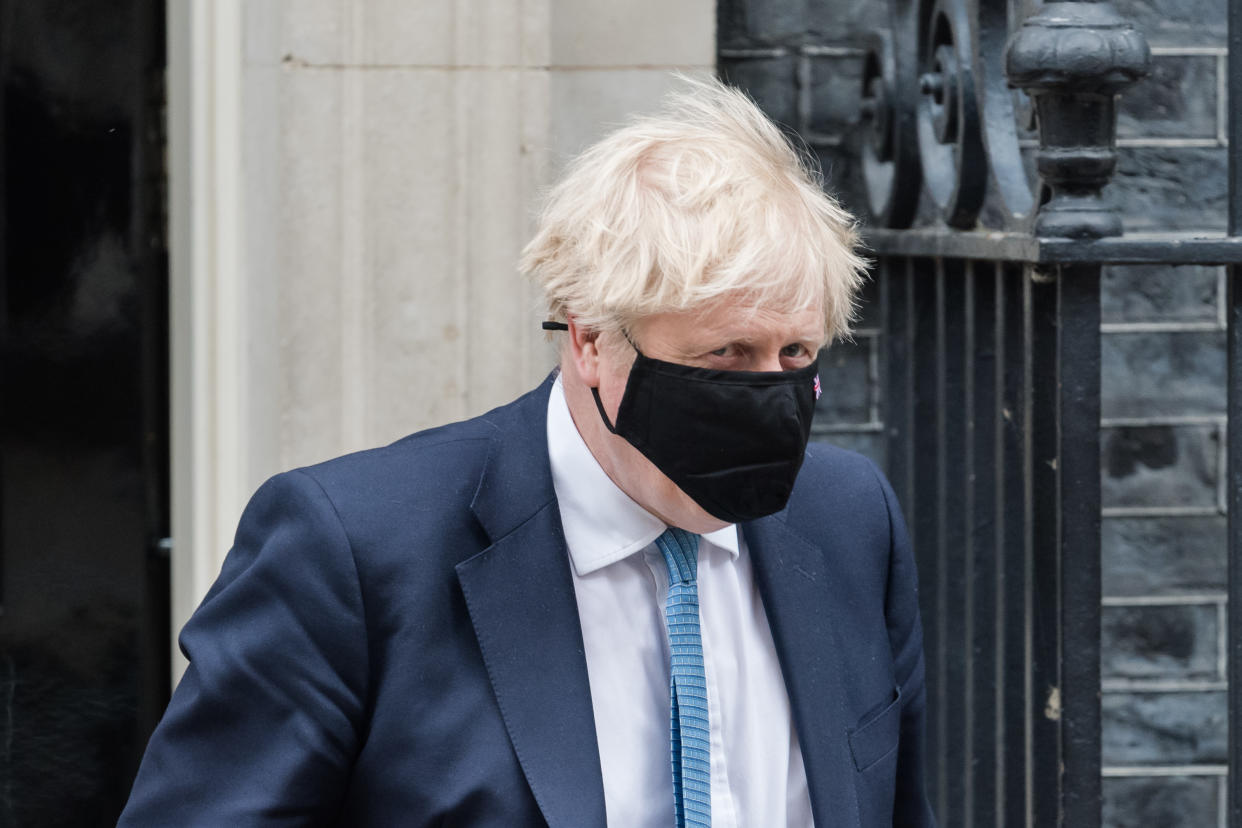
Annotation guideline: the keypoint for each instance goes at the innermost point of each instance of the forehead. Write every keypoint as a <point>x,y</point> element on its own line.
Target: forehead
<point>735,319</point>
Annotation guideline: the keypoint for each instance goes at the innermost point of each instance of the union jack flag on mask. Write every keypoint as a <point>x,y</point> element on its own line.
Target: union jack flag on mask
<point>816,386</point>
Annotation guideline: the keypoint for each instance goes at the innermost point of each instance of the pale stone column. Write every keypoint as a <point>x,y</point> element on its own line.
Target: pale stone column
<point>351,182</point>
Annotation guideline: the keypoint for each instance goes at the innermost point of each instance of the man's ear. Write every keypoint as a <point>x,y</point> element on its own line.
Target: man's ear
<point>584,352</point>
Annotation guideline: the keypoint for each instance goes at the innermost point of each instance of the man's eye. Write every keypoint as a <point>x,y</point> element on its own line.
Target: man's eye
<point>721,351</point>
<point>793,351</point>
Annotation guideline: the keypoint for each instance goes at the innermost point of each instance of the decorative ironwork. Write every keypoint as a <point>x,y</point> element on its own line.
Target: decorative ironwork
<point>991,378</point>
<point>1003,118</point>
<point>890,155</point>
<point>954,165</point>
<point>1073,59</point>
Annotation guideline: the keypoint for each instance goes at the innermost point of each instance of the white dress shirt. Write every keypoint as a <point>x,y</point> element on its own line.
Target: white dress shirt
<point>620,583</point>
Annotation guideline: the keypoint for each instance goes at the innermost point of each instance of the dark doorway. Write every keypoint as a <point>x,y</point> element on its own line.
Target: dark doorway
<point>84,660</point>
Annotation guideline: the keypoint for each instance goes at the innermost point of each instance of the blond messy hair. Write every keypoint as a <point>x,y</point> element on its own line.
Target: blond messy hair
<point>703,200</point>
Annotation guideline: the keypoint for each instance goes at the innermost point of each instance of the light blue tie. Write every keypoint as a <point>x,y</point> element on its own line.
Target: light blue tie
<point>688,719</point>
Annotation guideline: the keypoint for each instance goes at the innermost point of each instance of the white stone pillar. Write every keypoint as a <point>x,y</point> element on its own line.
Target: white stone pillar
<point>351,182</point>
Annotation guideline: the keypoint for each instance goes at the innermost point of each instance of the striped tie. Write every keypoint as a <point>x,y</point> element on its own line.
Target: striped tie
<point>688,720</point>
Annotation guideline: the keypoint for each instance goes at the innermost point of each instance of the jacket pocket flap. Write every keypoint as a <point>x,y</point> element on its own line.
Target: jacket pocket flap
<point>875,739</point>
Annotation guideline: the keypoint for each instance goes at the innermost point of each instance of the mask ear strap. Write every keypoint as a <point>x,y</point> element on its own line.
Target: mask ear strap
<point>551,325</point>
<point>602,414</point>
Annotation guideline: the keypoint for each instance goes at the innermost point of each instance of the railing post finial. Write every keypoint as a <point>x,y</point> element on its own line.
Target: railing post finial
<point>1073,58</point>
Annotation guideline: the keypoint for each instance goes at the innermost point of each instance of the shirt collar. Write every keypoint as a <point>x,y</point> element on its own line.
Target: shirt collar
<point>602,523</point>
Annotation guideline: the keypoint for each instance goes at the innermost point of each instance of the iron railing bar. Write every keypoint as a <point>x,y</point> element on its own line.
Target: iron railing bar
<point>1008,538</point>
<point>960,244</point>
<point>955,580</point>
<point>1078,553</point>
<point>1043,700</point>
<point>898,377</point>
<point>1133,248</point>
<point>1014,538</point>
<point>946,773</point>
<point>974,757</point>
<point>983,630</point>
<point>924,438</point>
<point>1137,249</point>
<point>910,381</point>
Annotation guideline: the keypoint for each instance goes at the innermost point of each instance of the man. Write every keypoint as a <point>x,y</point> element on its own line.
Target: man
<point>631,596</point>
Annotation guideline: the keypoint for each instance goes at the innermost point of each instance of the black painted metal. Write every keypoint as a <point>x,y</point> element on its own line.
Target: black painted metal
<point>998,460</point>
<point>1073,58</point>
<point>993,387</point>
<point>1043,693</point>
<point>1000,112</point>
<point>1014,558</point>
<point>924,439</point>
<point>949,135</point>
<point>982,563</point>
<point>890,156</point>
<point>897,316</point>
<point>1163,248</point>
<point>989,279</point>
<point>1078,542</point>
<point>953,532</point>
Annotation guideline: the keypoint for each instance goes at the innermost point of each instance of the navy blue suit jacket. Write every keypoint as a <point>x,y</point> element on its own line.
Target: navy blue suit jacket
<point>394,640</point>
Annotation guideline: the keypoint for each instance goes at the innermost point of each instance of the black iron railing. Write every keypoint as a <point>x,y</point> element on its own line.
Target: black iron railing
<point>991,323</point>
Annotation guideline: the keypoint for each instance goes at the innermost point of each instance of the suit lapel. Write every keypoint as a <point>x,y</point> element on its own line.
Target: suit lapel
<point>793,582</point>
<point>520,595</point>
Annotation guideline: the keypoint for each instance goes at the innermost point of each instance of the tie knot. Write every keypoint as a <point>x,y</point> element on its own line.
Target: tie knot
<point>681,554</point>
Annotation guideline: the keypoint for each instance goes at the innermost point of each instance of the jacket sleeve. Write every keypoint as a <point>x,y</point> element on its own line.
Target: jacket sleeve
<point>263,726</point>
<point>911,808</point>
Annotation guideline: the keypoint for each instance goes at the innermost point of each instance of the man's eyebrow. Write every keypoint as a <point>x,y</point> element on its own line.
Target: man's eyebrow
<point>706,344</point>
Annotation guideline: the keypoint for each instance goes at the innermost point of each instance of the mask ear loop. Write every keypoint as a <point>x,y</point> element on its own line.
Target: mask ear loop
<point>551,325</point>
<point>595,391</point>
<point>602,414</point>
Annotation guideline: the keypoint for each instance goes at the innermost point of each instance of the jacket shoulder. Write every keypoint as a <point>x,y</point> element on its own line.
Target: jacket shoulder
<point>839,471</point>
<point>423,487</point>
<point>841,491</point>
<point>462,441</point>
<point>444,463</point>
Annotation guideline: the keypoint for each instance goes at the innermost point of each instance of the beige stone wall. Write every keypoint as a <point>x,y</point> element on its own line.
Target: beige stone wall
<point>351,183</point>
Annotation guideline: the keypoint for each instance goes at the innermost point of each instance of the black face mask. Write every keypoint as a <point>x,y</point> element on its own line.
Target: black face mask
<point>733,441</point>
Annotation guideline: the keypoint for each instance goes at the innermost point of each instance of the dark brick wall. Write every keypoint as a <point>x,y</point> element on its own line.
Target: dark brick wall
<point>1163,441</point>
<point>1163,406</point>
